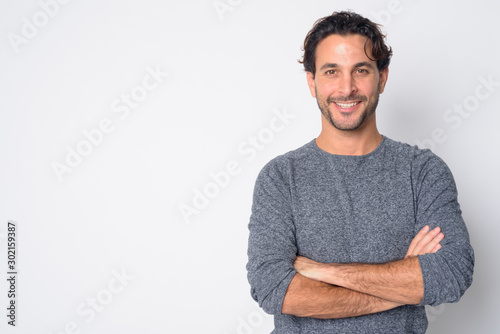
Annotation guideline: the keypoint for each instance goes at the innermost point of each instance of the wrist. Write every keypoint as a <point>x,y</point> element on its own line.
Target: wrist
<point>328,273</point>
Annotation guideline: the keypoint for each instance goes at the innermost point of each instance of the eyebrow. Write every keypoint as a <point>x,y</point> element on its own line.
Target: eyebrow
<point>334,65</point>
<point>329,65</point>
<point>364,64</point>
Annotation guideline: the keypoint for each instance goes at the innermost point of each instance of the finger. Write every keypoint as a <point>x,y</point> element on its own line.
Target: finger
<point>429,248</point>
<point>424,241</point>
<point>300,259</point>
<point>296,264</point>
<point>417,239</point>
<point>428,242</point>
<point>438,247</point>
<point>300,263</point>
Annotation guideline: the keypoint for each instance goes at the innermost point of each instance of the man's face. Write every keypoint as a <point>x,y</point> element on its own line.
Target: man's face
<point>347,83</point>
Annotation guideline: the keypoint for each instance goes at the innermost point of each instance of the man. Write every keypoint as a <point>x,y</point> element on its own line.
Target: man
<point>354,232</point>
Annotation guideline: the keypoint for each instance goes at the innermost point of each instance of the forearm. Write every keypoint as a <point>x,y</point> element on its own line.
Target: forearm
<point>309,298</point>
<point>399,281</point>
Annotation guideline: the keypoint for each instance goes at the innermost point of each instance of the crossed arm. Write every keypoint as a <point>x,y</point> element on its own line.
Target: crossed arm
<point>330,290</point>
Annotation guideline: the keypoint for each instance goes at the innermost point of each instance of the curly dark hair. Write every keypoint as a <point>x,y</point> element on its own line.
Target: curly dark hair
<point>345,23</point>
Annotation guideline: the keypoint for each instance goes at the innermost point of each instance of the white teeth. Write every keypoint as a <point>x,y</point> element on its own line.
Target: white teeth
<point>345,106</point>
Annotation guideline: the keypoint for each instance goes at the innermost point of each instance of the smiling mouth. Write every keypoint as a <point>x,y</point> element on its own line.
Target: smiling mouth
<point>347,105</point>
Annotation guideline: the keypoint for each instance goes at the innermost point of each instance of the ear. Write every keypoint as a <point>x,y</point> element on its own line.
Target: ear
<point>383,75</point>
<point>311,84</point>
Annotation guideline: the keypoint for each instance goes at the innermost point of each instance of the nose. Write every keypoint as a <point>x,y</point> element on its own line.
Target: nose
<point>347,85</point>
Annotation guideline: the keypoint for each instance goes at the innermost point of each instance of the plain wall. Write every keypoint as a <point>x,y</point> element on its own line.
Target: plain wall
<point>131,134</point>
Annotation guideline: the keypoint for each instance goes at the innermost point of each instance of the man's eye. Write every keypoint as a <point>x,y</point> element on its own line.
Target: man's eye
<point>362,71</point>
<point>331,72</point>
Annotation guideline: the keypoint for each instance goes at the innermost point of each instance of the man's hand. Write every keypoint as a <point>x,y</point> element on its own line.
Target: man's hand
<point>425,242</point>
<point>399,281</point>
<point>310,268</point>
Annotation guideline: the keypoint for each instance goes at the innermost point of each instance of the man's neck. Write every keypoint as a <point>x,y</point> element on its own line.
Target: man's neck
<point>356,142</point>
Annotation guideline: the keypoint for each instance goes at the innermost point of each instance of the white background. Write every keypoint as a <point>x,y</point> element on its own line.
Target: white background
<point>229,71</point>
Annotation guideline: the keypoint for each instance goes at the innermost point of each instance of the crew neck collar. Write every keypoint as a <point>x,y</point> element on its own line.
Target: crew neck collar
<point>325,153</point>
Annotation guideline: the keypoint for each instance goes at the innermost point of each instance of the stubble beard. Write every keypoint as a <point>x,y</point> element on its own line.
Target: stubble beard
<point>367,113</point>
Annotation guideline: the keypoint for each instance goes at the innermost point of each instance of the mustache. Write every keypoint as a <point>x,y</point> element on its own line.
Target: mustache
<point>349,98</point>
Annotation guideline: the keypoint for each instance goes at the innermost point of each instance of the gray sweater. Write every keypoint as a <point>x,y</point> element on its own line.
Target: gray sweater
<point>346,209</point>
